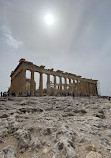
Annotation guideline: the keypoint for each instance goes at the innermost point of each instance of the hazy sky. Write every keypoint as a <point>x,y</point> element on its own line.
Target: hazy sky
<point>79,40</point>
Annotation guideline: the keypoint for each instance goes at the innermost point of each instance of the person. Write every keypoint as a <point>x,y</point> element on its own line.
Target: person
<point>73,95</point>
<point>28,93</point>
<point>1,94</point>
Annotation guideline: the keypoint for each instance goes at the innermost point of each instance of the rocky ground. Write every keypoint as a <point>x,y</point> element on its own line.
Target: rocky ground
<point>55,127</point>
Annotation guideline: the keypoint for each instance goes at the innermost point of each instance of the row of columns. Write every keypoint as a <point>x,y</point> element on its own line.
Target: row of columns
<point>78,87</point>
<point>18,85</point>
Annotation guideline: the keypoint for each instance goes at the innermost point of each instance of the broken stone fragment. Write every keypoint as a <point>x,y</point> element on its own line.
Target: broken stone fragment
<point>23,143</point>
<point>91,148</point>
<point>3,132</point>
<point>9,152</point>
<point>4,115</point>
<point>93,154</point>
<point>108,133</point>
<point>35,144</point>
<point>65,147</point>
<point>23,137</point>
<point>1,154</point>
<point>83,139</point>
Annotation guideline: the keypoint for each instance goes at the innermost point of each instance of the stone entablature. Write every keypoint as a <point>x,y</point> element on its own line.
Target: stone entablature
<point>78,86</point>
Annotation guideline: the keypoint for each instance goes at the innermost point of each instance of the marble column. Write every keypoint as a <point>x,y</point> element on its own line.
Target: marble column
<point>85,87</point>
<point>82,87</point>
<point>32,86</point>
<point>93,89</point>
<point>77,87</point>
<point>41,84</point>
<point>88,89</point>
<point>55,82</point>
<point>96,93</point>
<point>55,85</point>
<point>83,91</point>
<point>60,81</point>
<point>48,84</point>
<point>65,85</point>
<point>79,84</point>
<point>96,89</point>
<point>23,83</point>
<point>70,86</point>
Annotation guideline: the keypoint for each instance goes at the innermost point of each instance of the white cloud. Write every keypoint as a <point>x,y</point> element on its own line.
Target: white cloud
<point>11,41</point>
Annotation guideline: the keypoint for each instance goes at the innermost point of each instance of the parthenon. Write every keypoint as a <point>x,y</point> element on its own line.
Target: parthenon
<point>73,84</point>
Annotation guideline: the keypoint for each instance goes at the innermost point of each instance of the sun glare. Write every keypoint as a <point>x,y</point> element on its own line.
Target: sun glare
<point>49,19</point>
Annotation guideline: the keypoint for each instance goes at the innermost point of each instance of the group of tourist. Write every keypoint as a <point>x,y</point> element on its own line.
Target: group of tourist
<point>4,94</point>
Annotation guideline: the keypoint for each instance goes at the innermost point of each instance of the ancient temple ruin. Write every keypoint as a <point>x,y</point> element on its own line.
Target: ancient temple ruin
<point>72,84</point>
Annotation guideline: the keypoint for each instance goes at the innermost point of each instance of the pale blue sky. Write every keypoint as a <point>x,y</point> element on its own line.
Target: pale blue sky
<point>79,41</point>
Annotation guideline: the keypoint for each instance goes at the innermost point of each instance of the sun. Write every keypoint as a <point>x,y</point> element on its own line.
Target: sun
<point>49,19</point>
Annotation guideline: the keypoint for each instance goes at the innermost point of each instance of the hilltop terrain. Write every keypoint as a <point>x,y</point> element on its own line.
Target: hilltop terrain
<point>55,127</point>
